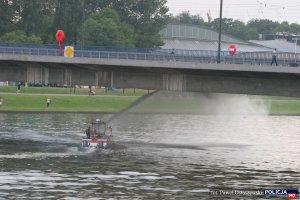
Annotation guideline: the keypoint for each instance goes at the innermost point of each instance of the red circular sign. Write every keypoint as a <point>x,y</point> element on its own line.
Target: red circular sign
<point>60,36</point>
<point>232,49</point>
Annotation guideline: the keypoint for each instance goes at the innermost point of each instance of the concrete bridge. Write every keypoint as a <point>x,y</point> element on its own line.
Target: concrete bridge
<point>245,73</point>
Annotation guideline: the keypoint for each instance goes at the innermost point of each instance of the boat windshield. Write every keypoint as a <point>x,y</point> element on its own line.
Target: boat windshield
<point>99,127</point>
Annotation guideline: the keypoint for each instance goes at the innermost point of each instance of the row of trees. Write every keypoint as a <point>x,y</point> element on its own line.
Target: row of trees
<point>131,23</point>
<point>239,29</point>
<point>88,22</point>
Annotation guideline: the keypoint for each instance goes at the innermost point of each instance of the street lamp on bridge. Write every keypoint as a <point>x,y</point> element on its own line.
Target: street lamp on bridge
<point>220,32</point>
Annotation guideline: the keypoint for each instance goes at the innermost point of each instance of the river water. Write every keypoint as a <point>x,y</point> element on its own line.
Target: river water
<point>156,156</point>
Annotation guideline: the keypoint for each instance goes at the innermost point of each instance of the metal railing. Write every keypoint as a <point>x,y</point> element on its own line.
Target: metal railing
<point>202,56</point>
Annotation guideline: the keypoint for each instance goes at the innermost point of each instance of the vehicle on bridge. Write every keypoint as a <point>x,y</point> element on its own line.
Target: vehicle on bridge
<point>98,135</point>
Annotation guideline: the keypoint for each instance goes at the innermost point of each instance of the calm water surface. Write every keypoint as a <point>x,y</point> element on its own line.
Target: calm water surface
<point>155,156</point>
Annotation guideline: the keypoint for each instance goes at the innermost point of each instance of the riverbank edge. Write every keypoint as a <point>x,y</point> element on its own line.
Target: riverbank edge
<point>137,113</point>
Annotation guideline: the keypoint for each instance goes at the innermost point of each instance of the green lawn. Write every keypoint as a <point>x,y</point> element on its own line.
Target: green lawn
<point>165,102</point>
<point>285,107</point>
<point>20,102</point>
<point>176,104</point>
<point>73,91</point>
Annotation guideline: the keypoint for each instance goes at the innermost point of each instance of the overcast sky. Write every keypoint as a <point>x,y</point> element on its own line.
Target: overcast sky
<point>244,10</point>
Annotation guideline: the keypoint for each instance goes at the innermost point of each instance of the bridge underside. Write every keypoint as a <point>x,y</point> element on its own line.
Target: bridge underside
<point>193,80</point>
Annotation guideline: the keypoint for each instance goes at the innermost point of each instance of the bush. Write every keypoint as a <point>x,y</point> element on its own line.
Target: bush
<point>20,36</point>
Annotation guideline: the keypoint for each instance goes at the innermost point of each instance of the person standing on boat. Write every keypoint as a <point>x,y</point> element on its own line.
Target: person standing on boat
<point>110,130</point>
<point>88,132</point>
<point>96,135</point>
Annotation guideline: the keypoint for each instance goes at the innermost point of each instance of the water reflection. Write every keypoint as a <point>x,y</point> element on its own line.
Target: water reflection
<point>164,156</point>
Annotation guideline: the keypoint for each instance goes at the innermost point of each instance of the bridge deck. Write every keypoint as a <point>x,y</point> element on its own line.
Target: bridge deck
<point>256,62</point>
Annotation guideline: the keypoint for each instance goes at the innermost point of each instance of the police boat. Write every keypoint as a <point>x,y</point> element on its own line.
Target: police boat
<point>98,135</point>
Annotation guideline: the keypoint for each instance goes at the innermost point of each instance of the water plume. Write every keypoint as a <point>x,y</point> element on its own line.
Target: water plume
<point>190,118</point>
<point>201,103</point>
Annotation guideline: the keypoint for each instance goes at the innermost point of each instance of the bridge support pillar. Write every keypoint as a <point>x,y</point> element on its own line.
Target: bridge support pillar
<point>174,82</point>
<point>37,74</point>
<point>68,77</point>
<point>112,79</point>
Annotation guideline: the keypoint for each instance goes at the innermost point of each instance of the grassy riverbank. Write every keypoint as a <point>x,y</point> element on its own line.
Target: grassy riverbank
<point>73,91</point>
<point>67,99</point>
<point>291,107</point>
<point>34,99</point>
<point>37,103</point>
<point>220,104</point>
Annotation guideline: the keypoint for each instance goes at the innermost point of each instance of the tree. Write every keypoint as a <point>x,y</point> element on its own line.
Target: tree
<point>187,18</point>
<point>68,17</point>
<point>92,6</point>
<point>36,17</point>
<point>44,17</point>
<point>33,17</point>
<point>8,16</point>
<point>295,28</point>
<point>106,28</point>
<point>20,36</point>
<point>147,17</point>
<point>263,26</point>
<point>283,27</point>
<point>235,28</point>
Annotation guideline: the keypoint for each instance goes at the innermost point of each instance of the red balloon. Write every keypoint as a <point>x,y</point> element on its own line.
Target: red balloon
<point>232,49</point>
<point>60,36</point>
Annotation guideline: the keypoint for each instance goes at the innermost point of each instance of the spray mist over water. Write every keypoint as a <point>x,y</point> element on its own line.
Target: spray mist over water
<point>200,103</point>
<point>193,118</point>
<point>224,104</point>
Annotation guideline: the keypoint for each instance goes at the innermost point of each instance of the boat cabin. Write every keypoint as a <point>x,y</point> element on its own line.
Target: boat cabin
<point>97,136</point>
<point>98,128</point>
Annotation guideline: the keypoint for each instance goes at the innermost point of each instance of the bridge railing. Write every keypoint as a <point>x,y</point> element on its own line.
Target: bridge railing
<point>29,51</point>
<point>252,58</point>
<point>262,58</point>
<point>81,48</point>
